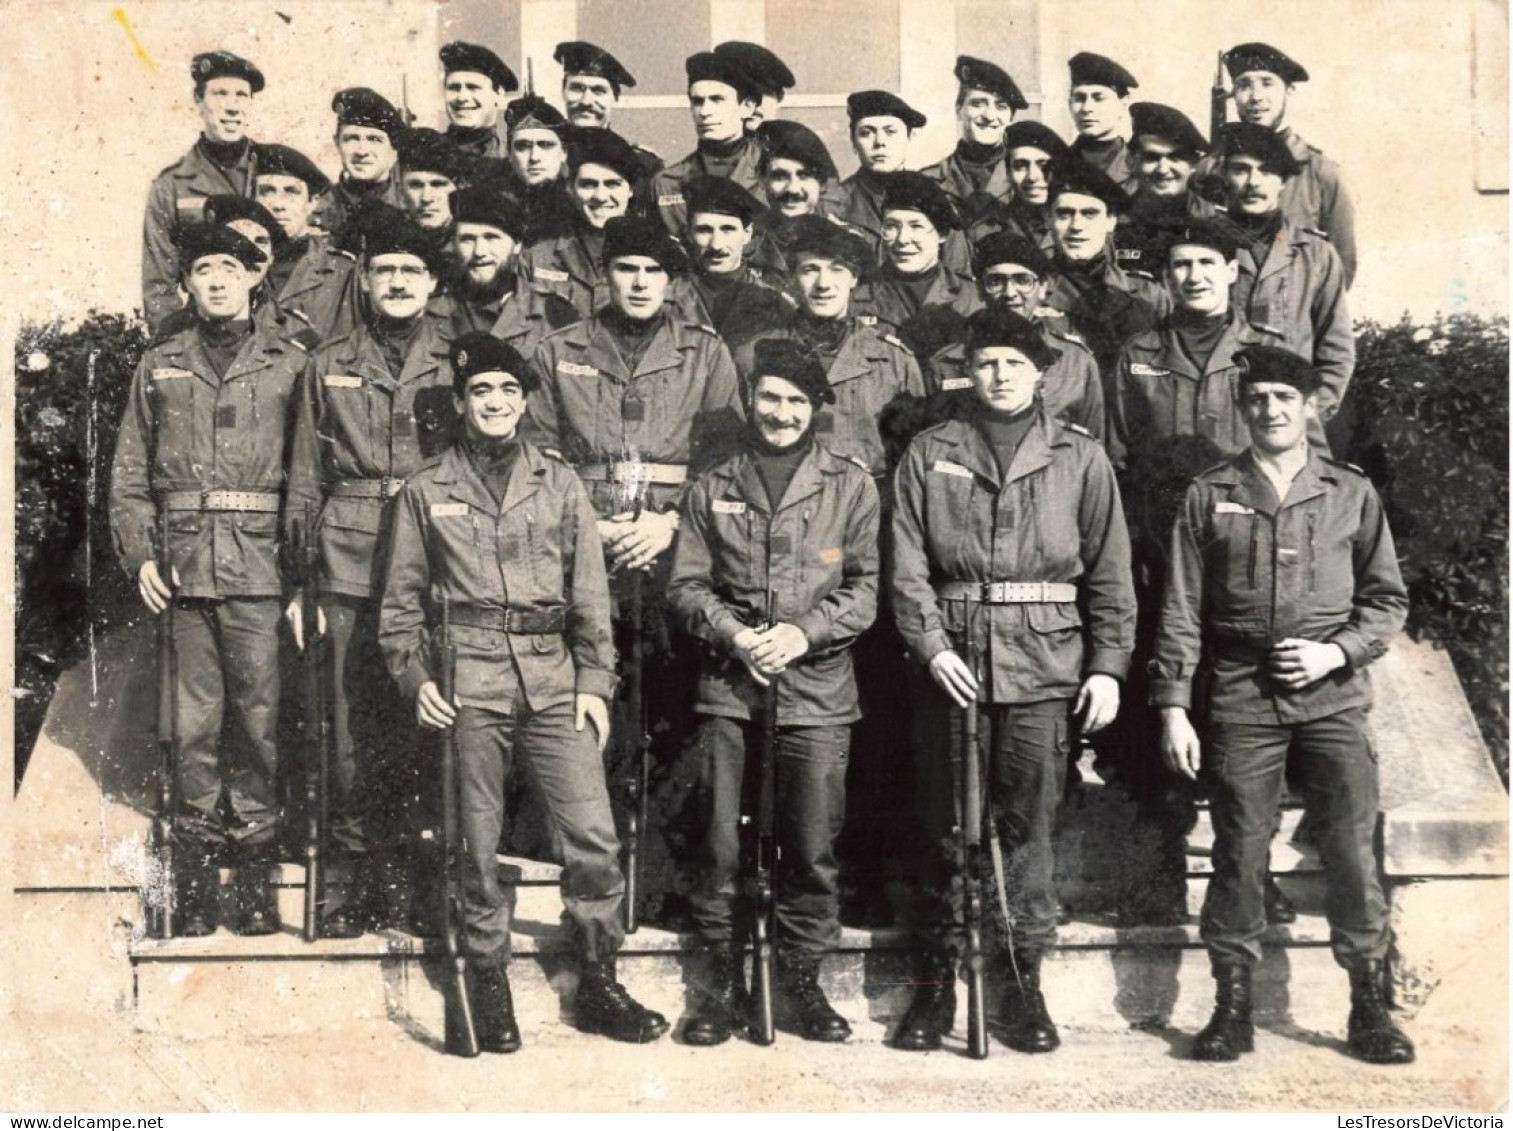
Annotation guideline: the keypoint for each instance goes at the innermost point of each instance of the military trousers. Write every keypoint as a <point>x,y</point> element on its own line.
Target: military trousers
<point>1245,764</point>
<point>569,773</point>
<point>809,806</point>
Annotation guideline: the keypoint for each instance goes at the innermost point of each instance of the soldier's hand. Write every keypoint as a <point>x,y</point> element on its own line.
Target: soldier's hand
<point>777,647</point>
<point>743,642</point>
<point>431,708</point>
<point>950,671</point>
<point>155,592</point>
<point>1295,663</point>
<point>1179,743</point>
<point>295,616</point>
<point>635,543</point>
<point>592,709</point>
<point>1097,702</point>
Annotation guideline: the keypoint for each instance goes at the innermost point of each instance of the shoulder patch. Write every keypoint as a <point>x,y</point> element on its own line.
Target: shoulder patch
<point>895,340</point>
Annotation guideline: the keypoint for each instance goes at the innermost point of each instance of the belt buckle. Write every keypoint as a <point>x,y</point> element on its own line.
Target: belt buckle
<point>390,487</point>
<point>205,494</point>
<point>993,593</point>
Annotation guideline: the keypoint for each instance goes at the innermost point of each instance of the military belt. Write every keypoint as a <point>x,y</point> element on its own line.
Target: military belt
<point>519,621</point>
<point>385,488</point>
<point>217,499</point>
<point>1009,592</point>
<point>634,471</point>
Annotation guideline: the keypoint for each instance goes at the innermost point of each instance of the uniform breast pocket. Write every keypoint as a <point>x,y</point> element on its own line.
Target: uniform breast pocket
<point>175,396</point>
<point>732,545</point>
<point>948,518</point>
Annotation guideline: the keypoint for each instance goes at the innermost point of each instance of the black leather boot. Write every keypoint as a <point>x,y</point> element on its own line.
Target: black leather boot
<point>933,1010</point>
<point>1280,910</point>
<point>361,909</point>
<point>1229,1031</point>
<point>812,1017</point>
<point>722,1002</point>
<point>196,893</point>
<point>1027,1025</point>
<point>605,1007</point>
<point>256,899</point>
<point>493,1006</point>
<point>1371,1034</point>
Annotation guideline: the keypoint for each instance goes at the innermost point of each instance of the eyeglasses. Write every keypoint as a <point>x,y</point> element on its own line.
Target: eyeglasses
<point>1021,281</point>
<point>389,270</point>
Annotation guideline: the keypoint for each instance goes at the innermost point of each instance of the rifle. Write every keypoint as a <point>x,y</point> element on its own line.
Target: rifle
<point>1218,104</point>
<point>404,100</point>
<point>765,857</point>
<point>461,1034</point>
<point>168,745</point>
<point>317,722</point>
<point>970,783</point>
<point>639,784</point>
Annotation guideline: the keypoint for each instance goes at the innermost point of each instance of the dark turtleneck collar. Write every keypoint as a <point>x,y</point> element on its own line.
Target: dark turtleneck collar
<point>394,337</point>
<point>1004,431</point>
<point>468,135</point>
<point>224,154</point>
<point>823,335</point>
<point>223,339</point>
<point>722,150</point>
<point>1260,229</point>
<point>632,335</point>
<point>291,250</point>
<point>361,190</point>
<point>975,153</point>
<point>776,466</point>
<point>1198,334</point>
<point>493,459</point>
<point>1100,151</point>
<point>915,288</point>
<point>1084,272</point>
<point>876,182</point>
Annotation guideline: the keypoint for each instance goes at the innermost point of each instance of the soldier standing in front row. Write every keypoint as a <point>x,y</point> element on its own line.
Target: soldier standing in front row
<point>504,534</point>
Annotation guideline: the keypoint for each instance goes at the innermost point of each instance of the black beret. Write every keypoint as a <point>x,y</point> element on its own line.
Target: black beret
<point>643,235</point>
<point>723,196</point>
<point>359,106</point>
<point>1032,134</point>
<point>591,145</point>
<point>1099,70</point>
<point>533,113</point>
<point>771,74</point>
<point>1071,173</point>
<point>823,238</point>
<point>1272,363</point>
<point>399,235</point>
<point>222,209</point>
<point>794,141</point>
<point>915,192</point>
<point>579,58</point>
<point>996,326</point>
<point>1007,247</point>
<point>977,74</point>
<point>706,66</point>
<point>1266,145</point>
<point>1218,232</point>
<point>281,161</point>
<point>786,358</point>
<point>480,352</point>
<point>1169,125</point>
<point>479,60</point>
<point>422,149</point>
<point>1262,57</point>
<point>491,205</point>
<point>199,240</point>
<point>882,104</point>
<point>223,64</point>
<point>369,215</point>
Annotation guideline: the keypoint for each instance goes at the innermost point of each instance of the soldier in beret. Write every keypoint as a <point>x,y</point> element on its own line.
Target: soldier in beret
<point>205,438</point>
<point>305,266</point>
<point>474,84</point>
<point>797,169</point>
<point>973,175</point>
<point>881,126</point>
<point>221,161</point>
<point>592,79</point>
<point>771,75</point>
<point>537,165</point>
<point>723,290</point>
<point>1029,151</point>
<point>367,125</point>
<point>1322,598</point>
<point>1166,148</point>
<point>1098,102</point>
<point>252,221</point>
<point>431,169</point>
<point>789,521</point>
<point>534,673</point>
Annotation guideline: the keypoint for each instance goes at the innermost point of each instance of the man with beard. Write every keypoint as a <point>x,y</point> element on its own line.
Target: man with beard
<point>592,79</point>
<point>771,75</point>
<point>221,161</point>
<point>1100,94</point>
<point>374,405</point>
<point>721,95</point>
<point>537,160</point>
<point>474,84</point>
<point>723,290</point>
<point>367,125</point>
<point>431,169</point>
<point>973,175</point>
<point>747,582</point>
<point>881,126</point>
<point>1166,147</point>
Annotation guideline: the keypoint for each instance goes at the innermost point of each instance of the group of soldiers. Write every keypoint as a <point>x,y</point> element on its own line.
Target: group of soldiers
<point>1032,435</point>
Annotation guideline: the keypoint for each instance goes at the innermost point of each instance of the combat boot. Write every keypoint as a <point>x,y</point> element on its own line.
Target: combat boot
<point>493,1005</point>
<point>361,909</point>
<point>196,894</point>
<point>605,1007</point>
<point>256,899</point>
<point>812,1017</point>
<point>1027,1024</point>
<point>933,1010</point>
<point>1229,1031</point>
<point>1371,1034</point>
<point>722,1002</point>
<point>1280,910</point>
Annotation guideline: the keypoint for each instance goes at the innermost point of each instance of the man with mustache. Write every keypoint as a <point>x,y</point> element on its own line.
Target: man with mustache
<point>592,79</point>
<point>881,126</point>
<point>973,175</point>
<point>1166,148</point>
<point>723,290</point>
<point>534,175</point>
<point>221,161</point>
<point>367,125</point>
<point>1098,101</point>
<point>474,84</point>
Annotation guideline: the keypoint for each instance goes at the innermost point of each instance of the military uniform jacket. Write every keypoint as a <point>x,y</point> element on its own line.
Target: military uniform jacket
<point>561,268</point>
<point>537,549</point>
<point>593,410</point>
<point>177,196</point>
<point>1316,198</point>
<point>1298,296</point>
<point>185,429</point>
<point>1128,304</point>
<point>1056,516</point>
<point>952,296</point>
<point>317,285</point>
<point>1119,164</point>
<point>756,306</point>
<point>359,421</point>
<point>1248,572</point>
<point>668,184</point>
<point>334,210</point>
<point>952,176</point>
<point>818,553</point>
<point>523,317</point>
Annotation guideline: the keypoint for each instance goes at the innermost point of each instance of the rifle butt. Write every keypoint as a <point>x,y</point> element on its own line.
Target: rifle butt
<point>977,1014</point>
<point>761,984</point>
<point>632,867</point>
<point>461,1033</point>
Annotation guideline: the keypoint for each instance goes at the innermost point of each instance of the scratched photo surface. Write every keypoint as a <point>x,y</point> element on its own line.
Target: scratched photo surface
<point>1409,99</point>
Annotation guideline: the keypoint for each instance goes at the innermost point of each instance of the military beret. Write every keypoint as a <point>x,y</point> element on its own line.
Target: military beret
<point>579,58</point>
<point>786,358</point>
<point>281,161</point>
<point>533,113</point>
<point>399,235</point>
<point>1274,364</point>
<point>199,240</point>
<point>591,145</point>
<point>723,196</point>
<point>1218,232</point>
<point>491,205</point>
<point>794,141</point>
<point>1033,135</point>
<point>1151,119</point>
<point>643,235</point>
<point>706,66</point>
<point>422,149</point>
<point>478,351</point>
<point>914,192</point>
<point>882,104</point>
<point>478,60</point>
<point>359,106</point>
<point>1248,139</point>
<point>996,326</point>
<point>771,74</point>
<point>223,64</point>
<point>1072,174</point>
<point>1099,70</point>
<point>1262,57</point>
<point>825,239</point>
<point>223,208</point>
<point>1007,247</point>
<point>978,74</point>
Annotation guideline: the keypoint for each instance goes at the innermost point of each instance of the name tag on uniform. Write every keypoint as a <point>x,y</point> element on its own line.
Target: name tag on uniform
<point>951,384</point>
<point>1140,369</point>
<point>550,275</point>
<point>193,206</point>
<point>670,199</point>
<point>341,381</point>
<point>729,506</point>
<point>449,510</point>
<point>1224,507</point>
<point>573,369</point>
<point>170,374</point>
<point>946,467</point>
